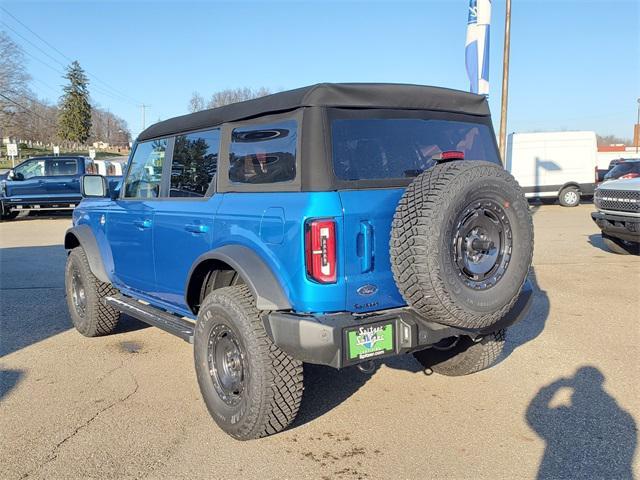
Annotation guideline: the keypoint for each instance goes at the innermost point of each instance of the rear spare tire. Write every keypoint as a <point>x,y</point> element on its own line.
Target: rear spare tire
<point>461,243</point>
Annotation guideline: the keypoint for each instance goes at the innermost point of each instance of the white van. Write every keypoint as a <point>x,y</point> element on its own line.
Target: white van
<point>554,165</point>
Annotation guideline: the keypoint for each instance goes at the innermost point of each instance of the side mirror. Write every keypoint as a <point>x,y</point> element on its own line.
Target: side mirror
<point>17,176</point>
<point>94,186</point>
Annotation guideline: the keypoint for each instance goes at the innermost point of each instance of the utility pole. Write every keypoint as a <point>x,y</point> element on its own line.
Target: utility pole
<point>636,129</point>
<point>143,107</point>
<point>505,82</point>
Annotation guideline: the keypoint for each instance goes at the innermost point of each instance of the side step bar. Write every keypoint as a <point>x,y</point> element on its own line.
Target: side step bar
<point>166,321</point>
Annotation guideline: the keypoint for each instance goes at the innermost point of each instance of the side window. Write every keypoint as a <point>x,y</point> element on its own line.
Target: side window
<point>58,168</point>
<point>195,161</point>
<point>263,153</point>
<point>90,168</point>
<point>30,169</point>
<point>145,172</point>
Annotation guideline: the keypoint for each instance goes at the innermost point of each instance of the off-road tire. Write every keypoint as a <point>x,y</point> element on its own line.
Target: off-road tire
<point>465,357</point>
<point>569,197</point>
<point>10,215</point>
<point>421,245</point>
<point>620,246</point>
<point>272,390</point>
<point>98,318</point>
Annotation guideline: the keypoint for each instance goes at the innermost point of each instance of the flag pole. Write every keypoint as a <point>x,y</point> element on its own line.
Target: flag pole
<point>505,81</point>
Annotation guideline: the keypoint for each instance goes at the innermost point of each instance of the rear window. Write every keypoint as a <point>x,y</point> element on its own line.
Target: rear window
<point>372,149</point>
<point>263,153</point>
<point>623,168</point>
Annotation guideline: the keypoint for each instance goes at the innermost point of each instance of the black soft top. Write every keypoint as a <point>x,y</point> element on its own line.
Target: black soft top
<point>346,95</point>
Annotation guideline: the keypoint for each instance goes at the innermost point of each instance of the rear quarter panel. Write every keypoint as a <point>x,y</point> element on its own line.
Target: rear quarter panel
<point>272,225</point>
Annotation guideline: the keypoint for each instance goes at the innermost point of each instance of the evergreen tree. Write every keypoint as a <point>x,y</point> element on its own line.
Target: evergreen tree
<point>74,124</point>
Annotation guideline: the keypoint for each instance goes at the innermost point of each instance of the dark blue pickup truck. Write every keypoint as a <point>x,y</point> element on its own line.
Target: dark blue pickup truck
<point>44,183</point>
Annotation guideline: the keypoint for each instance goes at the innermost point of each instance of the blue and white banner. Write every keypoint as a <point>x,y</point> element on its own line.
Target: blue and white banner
<point>477,45</point>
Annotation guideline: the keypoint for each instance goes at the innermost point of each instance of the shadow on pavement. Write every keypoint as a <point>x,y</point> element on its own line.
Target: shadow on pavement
<point>595,240</point>
<point>587,434</point>
<point>325,388</point>
<point>32,297</point>
<point>43,215</point>
<point>533,324</point>
<point>8,381</point>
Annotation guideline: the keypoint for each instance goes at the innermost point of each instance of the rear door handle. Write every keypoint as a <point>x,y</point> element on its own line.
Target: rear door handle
<point>143,224</point>
<point>196,228</point>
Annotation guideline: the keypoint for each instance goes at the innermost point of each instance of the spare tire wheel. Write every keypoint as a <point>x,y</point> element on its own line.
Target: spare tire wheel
<point>461,243</point>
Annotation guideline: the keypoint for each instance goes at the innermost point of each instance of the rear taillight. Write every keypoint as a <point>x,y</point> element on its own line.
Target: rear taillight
<point>320,250</point>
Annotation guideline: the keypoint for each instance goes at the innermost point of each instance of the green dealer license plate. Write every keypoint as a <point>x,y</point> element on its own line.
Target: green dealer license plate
<point>370,341</point>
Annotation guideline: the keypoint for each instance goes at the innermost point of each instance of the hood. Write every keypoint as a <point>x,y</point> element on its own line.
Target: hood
<point>621,184</point>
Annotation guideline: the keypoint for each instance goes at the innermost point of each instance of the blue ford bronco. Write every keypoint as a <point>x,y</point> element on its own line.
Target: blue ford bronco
<point>336,224</point>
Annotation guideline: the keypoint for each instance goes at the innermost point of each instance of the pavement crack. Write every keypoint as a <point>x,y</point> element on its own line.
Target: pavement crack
<point>54,452</point>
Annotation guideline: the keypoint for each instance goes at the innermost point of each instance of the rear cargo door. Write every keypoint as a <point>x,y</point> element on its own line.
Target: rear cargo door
<point>367,226</point>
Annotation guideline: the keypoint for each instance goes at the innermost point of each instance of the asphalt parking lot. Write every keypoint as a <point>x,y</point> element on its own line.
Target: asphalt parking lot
<point>564,403</point>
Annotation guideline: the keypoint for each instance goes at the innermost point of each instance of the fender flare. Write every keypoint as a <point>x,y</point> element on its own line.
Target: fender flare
<point>83,235</point>
<point>254,271</point>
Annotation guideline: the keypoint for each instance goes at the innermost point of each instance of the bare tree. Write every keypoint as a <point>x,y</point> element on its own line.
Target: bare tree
<point>612,140</point>
<point>234,95</point>
<point>225,97</point>
<point>14,85</point>
<point>196,103</point>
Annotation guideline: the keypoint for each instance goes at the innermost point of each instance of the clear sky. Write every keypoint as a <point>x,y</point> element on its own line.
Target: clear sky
<point>575,64</point>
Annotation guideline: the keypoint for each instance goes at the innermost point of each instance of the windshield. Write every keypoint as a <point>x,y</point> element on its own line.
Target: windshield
<point>623,168</point>
<point>369,149</point>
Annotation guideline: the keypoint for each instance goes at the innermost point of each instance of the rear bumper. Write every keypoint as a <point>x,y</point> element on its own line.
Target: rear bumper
<point>618,226</point>
<point>323,339</point>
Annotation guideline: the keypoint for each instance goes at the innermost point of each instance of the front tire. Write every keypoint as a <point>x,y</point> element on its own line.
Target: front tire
<point>465,356</point>
<point>250,387</point>
<point>10,215</point>
<point>85,293</point>
<point>569,197</point>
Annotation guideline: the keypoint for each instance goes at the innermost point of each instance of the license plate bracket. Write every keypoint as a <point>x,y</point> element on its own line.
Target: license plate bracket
<point>369,341</point>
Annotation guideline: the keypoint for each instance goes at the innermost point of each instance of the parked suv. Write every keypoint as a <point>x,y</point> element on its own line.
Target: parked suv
<point>618,214</point>
<point>44,183</point>
<point>335,224</point>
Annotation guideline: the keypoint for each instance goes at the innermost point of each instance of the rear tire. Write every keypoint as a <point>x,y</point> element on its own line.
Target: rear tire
<point>462,243</point>
<point>569,197</point>
<point>621,247</point>
<point>85,293</point>
<point>465,357</point>
<point>250,387</point>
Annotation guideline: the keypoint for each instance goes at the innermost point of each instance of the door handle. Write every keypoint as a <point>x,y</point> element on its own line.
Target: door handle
<point>196,228</point>
<point>143,224</point>
<point>366,261</point>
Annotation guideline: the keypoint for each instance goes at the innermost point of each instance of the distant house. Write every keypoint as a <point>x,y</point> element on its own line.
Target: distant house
<point>100,145</point>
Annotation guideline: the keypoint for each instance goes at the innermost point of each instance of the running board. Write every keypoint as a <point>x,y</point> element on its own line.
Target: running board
<point>166,321</point>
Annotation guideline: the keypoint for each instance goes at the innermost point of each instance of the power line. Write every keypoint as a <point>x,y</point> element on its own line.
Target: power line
<point>26,109</point>
<point>32,44</point>
<point>34,33</point>
<point>96,78</point>
<point>94,88</point>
